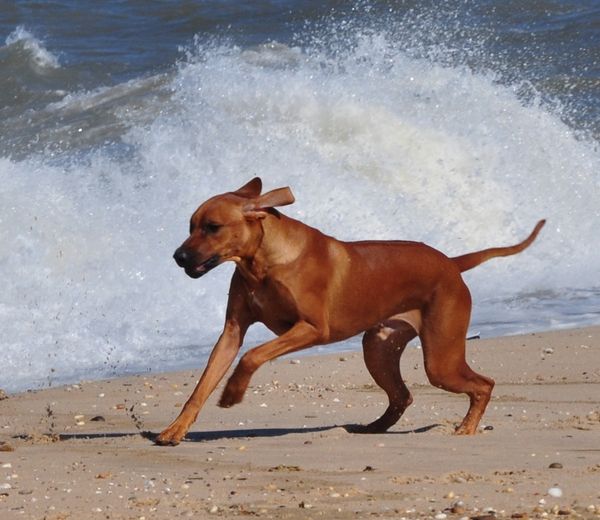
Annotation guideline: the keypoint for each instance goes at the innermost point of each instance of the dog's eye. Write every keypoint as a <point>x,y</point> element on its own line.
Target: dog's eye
<point>210,228</point>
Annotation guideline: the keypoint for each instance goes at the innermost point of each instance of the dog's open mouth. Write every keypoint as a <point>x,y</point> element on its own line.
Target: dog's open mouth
<point>203,268</point>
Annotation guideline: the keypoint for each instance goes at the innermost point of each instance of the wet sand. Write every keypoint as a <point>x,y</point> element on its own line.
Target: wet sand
<point>81,451</point>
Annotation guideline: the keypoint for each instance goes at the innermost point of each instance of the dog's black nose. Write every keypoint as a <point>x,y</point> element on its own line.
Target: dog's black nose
<point>181,257</point>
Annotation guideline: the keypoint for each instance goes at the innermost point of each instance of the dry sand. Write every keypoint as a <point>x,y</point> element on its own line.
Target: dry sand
<point>284,452</point>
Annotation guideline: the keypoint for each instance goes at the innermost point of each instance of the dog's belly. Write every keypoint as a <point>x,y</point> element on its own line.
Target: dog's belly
<point>382,280</point>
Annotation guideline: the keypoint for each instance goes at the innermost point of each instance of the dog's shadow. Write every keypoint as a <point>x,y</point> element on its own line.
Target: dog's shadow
<point>206,436</point>
<point>216,435</point>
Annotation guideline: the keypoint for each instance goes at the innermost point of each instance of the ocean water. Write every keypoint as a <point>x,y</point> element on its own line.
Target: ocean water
<point>457,123</point>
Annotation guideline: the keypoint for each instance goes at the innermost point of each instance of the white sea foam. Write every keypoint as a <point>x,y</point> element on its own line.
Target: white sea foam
<point>374,145</point>
<point>41,57</point>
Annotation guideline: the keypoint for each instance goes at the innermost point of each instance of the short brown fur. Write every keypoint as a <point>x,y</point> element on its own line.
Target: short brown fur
<point>311,289</point>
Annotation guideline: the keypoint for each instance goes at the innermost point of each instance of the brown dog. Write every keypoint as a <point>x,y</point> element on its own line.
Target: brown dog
<point>311,289</point>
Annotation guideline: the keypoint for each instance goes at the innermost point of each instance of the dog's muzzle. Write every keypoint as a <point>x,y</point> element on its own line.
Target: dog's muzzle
<point>192,267</point>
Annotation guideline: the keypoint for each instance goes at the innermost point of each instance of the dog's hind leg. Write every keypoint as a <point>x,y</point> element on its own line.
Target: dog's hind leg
<point>443,336</point>
<point>383,346</point>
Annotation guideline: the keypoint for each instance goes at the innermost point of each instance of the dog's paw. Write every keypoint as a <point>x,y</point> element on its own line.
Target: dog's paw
<point>230,398</point>
<point>171,436</point>
<point>362,428</point>
<point>234,390</point>
<point>464,431</point>
<point>166,440</point>
<point>380,425</point>
<point>466,428</point>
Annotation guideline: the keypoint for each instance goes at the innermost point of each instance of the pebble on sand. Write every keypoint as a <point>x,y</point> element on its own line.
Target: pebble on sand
<point>555,492</point>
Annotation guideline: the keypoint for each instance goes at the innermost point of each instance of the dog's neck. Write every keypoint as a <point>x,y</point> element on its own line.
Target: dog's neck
<point>276,229</point>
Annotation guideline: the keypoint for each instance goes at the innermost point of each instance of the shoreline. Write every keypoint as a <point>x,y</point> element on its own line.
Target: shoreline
<point>284,452</point>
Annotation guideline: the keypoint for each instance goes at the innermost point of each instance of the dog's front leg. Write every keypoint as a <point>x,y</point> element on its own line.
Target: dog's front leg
<point>220,360</point>
<point>301,336</point>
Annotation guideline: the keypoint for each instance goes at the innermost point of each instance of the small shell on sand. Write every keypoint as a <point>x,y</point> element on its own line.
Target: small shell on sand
<point>555,492</point>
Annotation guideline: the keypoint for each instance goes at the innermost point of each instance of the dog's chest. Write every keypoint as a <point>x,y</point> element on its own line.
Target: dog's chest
<point>272,304</point>
<point>259,300</point>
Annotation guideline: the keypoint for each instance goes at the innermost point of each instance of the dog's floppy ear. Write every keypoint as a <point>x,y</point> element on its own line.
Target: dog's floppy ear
<point>257,208</point>
<point>251,189</point>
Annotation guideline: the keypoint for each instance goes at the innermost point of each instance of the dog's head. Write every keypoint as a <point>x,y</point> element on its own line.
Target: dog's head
<point>227,227</point>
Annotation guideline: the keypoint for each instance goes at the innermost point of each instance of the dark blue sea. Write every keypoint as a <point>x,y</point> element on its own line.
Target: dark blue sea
<point>457,123</point>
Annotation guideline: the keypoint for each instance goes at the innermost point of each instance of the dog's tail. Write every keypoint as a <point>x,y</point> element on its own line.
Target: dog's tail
<point>470,260</point>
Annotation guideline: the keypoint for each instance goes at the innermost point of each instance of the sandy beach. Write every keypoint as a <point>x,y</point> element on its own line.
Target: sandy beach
<point>81,451</point>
